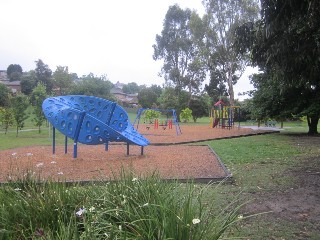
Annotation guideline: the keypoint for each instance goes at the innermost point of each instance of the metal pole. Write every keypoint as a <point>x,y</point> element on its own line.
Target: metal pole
<point>53,140</point>
<point>66,145</point>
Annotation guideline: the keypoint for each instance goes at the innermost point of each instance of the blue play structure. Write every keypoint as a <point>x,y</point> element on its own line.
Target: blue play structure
<point>90,120</point>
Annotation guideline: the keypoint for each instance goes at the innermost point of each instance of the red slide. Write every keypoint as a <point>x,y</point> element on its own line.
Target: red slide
<point>216,121</point>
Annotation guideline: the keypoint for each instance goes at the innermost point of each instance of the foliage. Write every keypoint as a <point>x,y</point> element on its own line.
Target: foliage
<point>38,95</point>
<point>175,46</point>
<point>43,75</point>
<point>19,106</point>
<point>147,98</point>
<point>6,118</point>
<point>168,99</point>
<point>4,95</point>
<point>199,107</point>
<point>131,88</point>
<point>186,114</point>
<point>224,63</point>
<point>62,79</point>
<point>130,208</point>
<point>94,86</point>
<point>28,82</point>
<point>285,45</point>
<point>151,114</point>
<point>14,72</point>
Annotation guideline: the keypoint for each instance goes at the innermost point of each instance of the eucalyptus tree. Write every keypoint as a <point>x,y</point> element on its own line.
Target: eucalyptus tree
<point>182,67</point>
<point>285,44</point>
<point>222,18</point>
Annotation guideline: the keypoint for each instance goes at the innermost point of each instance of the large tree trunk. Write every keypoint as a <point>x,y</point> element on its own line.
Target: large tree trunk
<point>313,124</point>
<point>230,86</point>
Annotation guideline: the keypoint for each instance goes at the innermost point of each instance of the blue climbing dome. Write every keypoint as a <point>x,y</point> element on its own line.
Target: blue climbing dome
<point>91,120</point>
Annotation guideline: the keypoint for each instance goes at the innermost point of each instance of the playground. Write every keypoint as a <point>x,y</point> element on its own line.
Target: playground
<point>105,143</point>
<point>168,154</point>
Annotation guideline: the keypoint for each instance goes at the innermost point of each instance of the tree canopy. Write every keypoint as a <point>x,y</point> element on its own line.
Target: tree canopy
<point>285,44</point>
<point>175,46</point>
<point>224,63</point>
<point>14,72</point>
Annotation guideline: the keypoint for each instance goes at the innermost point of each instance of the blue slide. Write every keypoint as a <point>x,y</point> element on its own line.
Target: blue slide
<point>91,120</point>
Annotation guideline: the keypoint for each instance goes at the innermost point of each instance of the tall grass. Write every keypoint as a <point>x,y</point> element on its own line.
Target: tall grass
<point>132,208</point>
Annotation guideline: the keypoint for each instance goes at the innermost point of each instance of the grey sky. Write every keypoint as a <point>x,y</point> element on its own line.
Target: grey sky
<point>99,36</point>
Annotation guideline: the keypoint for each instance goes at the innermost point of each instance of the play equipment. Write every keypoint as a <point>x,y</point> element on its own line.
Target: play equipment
<point>223,116</point>
<point>168,123</point>
<point>90,120</point>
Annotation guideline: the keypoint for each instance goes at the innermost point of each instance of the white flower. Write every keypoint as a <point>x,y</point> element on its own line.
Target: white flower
<point>195,221</point>
<point>53,162</point>
<point>144,205</point>
<point>120,227</point>
<point>80,212</point>
<point>29,154</point>
<point>92,209</point>
<point>134,179</point>
<point>17,189</point>
<point>39,165</point>
<point>240,216</point>
<point>13,154</point>
<point>60,173</point>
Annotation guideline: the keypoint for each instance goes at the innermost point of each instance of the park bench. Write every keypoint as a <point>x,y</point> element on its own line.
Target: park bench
<point>270,123</point>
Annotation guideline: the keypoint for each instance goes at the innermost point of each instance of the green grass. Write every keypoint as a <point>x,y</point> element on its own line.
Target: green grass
<point>131,208</point>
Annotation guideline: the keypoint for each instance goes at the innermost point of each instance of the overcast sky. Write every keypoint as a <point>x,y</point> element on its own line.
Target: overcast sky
<point>98,36</point>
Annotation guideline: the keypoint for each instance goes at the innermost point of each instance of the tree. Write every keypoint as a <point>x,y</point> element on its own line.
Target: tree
<point>37,97</point>
<point>199,107</point>
<point>175,46</point>
<point>28,83</point>
<point>93,86</point>
<point>5,93</point>
<point>6,118</point>
<point>223,61</point>
<point>285,45</point>
<point>131,88</point>
<point>19,106</point>
<point>62,79</point>
<point>186,114</point>
<point>44,75</point>
<point>14,72</point>
<point>147,98</point>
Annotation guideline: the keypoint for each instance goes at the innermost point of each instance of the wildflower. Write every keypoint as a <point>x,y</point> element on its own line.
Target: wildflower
<point>17,189</point>
<point>60,173</point>
<point>92,209</point>
<point>80,212</point>
<point>120,227</point>
<point>29,154</point>
<point>134,179</point>
<point>195,221</point>
<point>240,216</point>
<point>144,205</point>
<point>39,165</point>
<point>14,154</point>
<point>53,162</point>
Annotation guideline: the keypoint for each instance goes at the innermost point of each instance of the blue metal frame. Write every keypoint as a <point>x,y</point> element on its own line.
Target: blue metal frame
<point>174,116</point>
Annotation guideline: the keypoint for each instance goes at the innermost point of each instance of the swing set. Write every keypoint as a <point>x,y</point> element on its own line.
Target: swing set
<point>164,124</point>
